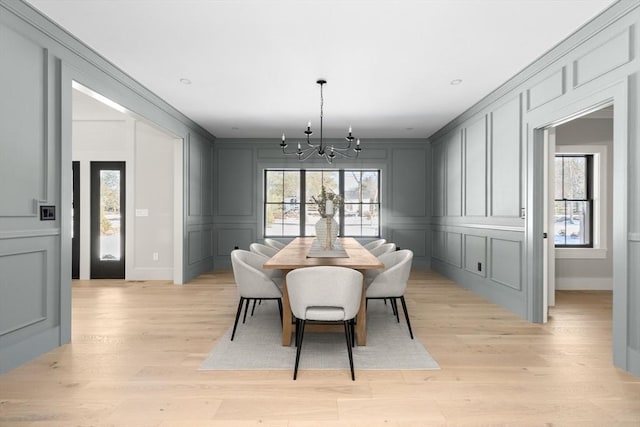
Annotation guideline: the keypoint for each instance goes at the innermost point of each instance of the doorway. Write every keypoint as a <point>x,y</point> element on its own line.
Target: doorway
<point>578,204</point>
<point>108,220</point>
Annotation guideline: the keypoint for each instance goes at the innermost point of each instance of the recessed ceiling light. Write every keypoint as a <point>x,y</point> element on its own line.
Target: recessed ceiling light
<point>185,81</point>
<point>409,128</point>
<point>455,82</point>
<point>235,128</point>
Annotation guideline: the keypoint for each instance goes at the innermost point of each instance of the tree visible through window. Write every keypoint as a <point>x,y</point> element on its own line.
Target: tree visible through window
<point>573,208</point>
<point>288,213</point>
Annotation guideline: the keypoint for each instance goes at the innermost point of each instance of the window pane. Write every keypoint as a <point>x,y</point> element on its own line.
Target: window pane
<point>316,179</point>
<point>273,220</point>
<point>558,182</point>
<point>352,219</point>
<point>572,223</point>
<point>575,177</point>
<point>275,186</point>
<point>370,184</point>
<point>291,180</point>
<point>109,215</point>
<point>370,220</point>
<point>352,186</point>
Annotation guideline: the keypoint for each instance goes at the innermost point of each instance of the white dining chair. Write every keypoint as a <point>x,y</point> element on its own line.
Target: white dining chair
<point>374,244</point>
<point>274,243</point>
<point>385,248</point>
<point>391,283</point>
<point>324,294</point>
<point>264,250</point>
<point>253,282</point>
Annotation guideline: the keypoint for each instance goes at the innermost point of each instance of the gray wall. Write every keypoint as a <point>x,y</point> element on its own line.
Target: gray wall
<point>238,191</point>
<point>39,63</point>
<point>491,158</point>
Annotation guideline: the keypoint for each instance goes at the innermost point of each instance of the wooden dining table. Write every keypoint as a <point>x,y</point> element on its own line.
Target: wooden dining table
<point>295,255</point>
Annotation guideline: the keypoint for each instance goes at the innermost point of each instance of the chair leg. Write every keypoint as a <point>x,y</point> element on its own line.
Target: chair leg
<point>349,339</point>
<point>280,309</point>
<point>353,332</point>
<point>406,315</point>
<point>301,336</point>
<point>246,307</point>
<point>253,308</point>
<point>394,304</point>
<point>235,324</point>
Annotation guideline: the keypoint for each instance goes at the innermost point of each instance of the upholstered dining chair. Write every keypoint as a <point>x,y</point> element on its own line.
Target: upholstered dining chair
<point>253,282</point>
<point>391,283</point>
<point>385,248</point>
<point>274,244</point>
<point>324,294</point>
<point>374,244</point>
<point>264,250</point>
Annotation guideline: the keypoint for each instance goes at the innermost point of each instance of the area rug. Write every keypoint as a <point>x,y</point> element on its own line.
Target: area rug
<point>257,345</point>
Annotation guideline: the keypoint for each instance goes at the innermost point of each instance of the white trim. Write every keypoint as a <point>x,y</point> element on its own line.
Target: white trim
<point>584,283</point>
<point>581,253</point>
<point>600,197</point>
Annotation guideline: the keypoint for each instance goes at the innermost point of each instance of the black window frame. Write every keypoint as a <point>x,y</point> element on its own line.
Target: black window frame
<point>589,160</point>
<point>302,202</point>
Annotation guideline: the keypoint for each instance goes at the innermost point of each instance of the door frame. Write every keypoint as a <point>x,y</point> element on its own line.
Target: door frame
<point>617,95</point>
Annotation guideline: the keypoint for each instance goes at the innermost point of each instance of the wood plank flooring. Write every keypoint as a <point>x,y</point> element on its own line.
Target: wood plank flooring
<point>137,345</point>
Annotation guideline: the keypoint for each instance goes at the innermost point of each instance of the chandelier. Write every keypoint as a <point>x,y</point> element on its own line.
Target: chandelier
<point>329,152</point>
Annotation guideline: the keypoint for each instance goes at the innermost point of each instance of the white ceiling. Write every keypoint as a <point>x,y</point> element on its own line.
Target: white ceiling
<point>253,64</point>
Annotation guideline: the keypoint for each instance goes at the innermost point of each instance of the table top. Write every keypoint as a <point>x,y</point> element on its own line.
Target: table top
<point>294,255</point>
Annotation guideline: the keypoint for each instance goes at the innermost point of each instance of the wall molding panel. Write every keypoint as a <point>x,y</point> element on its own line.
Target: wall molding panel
<point>506,262</point>
<point>454,249</point>
<point>475,168</point>
<point>475,254</point>
<point>547,90</point>
<point>609,55</point>
<point>27,290</point>
<point>23,119</point>
<point>505,174</point>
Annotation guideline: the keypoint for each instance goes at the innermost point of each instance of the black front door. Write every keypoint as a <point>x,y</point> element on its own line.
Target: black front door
<point>107,220</point>
<point>75,222</point>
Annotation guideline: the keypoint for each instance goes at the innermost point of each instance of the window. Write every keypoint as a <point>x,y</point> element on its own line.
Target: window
<point>288,213</point>
<point>573,209</point>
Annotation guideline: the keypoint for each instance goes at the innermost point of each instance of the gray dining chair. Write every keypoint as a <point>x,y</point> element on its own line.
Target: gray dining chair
<point>253,282</point>
<point>391,283</point>
<point>324,294</point>
<point>264,250</point>
<point>274,244</point>
<point>374,244</point>
<point>385,248</point>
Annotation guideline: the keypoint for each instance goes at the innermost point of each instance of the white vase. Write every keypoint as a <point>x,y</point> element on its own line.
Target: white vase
<point>327,232</point>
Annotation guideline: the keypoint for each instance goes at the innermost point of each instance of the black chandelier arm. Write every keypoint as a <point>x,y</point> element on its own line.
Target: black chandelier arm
<point>344,153</point>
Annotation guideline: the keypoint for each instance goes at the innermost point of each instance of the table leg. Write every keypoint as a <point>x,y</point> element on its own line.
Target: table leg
<point>361,318</point>
<point>287,330</point>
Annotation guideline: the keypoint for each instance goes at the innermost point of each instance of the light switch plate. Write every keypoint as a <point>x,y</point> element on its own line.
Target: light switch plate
<point>47,213</point>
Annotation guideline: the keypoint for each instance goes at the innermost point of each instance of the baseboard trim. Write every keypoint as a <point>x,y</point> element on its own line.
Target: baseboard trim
<point>584,283</point>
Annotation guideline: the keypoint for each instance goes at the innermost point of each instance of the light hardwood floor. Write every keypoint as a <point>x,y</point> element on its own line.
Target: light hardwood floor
<point>137,345</point>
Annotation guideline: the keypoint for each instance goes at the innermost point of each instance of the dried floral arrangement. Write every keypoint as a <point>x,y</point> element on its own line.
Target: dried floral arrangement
<point>334,204</point>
